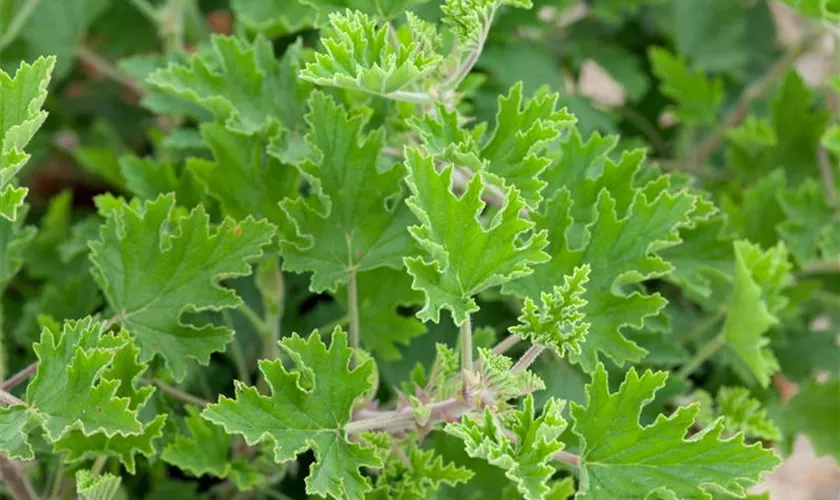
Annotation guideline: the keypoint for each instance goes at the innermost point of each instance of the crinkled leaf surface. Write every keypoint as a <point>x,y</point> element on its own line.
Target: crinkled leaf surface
<point>242,84</point>
<point>243,178</point>
<point>740,412</point>
<point>620,251</point>
<point>811,230</point>
<point>470,20</point>
<point>354,219</point>
<point>21,98</point>
<point>620,459</point>
<point>359,55</point>
<point>559,323</point>
<point>760,277</point>
<point>463,257</point>
<point>308,408</point>
<point>206,450</point>
<point>815,411</point>
<point>152,268</point>
<point>524,444</point>
<point>698,97</point>
<point>127,368</point>
<point>384,9</point>
<point>91,486</point>
<point>273,18</point>
<point>74,389</point>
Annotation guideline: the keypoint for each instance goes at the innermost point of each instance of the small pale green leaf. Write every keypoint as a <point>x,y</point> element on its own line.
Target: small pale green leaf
<point>91,486</point>
<point>359,55</point>
<point>559,323</point>
<point>523,444</point>
<point>760,278</point>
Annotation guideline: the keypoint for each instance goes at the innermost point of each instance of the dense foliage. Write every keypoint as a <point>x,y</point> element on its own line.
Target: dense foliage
<point>406,249</point>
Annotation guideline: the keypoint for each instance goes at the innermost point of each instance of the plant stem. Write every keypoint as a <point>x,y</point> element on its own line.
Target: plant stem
<point>569,458</point>
<point>827,176</point>
<point>7,399</point>
<point>466,345</point>
<point>506,344</point>
<point>412,97</point>
<point>404,419</point>
<point>98,464</point>
<point>353,313</point>
<point>103,66</point>
<point>57,480</point>
<point>18,377</point>
<point>704,325</point>
<point>16,481</point>
<point>18,22</point>
<point>702,355</point>
<point>179,394</point>
<point>528,358</point>
<point>753,91</point>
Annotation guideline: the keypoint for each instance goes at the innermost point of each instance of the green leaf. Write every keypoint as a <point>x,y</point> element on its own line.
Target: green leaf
<point>414,473</point>
<point>21,98</point>
<point>620,459</point>
<point>308,408</point>
<point>274,18</point>
<point>381,293</point>
<point>353,220</point>
<point>75,388</point>
<point>153,267</point>
<point>524,129</point>
<point>810,231</point>
<point>703,259</point>
<point>621,252</point>
<point>241,84</point>
<point>243,178</point>
<point>760,278</point>
<point>740,412</point>
<point>470,20</point>
<point>97,487</point>
<point>14,430</point>
<point>384,9</point>
<point>359,55</point>
<point>814,412</point>
<point>559,324</point>
<point>206,450</point>
<point>523,444</point>
<point>126,368</point>
<point>698,98</point>
<point>796,150</point>
<point>15,240</point>
<point>463,257</point>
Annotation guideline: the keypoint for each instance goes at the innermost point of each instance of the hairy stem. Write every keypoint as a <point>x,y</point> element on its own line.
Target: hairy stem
<point>404,419</point>
<point>7,399</point>
<point>353,313</point>
<point>98,464</point>
<point>147,9</point>
<point>827,176</point>
<point>329,327</point>
<point>19,377</point>
<point>506,344</point>
<point>702,356</point>
<point>569,458</point>
<point>179,394</point>
<point>466,345</point>
<point>528,358</point>
<point>16,481</point>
